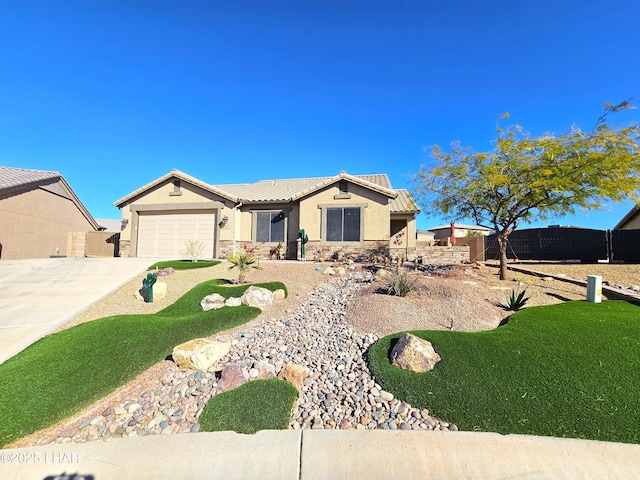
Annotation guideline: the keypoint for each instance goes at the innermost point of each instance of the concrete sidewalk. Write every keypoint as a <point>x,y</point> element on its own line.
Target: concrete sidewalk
<point>38,295</point>
<point>327,454</point>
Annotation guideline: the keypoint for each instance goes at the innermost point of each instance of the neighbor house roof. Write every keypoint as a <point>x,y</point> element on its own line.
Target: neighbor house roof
<point>19,179</point>
<point>11,177</point>
<point>632,213</point>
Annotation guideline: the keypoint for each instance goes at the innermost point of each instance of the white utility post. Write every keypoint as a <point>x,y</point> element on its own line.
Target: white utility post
<point>594,288</point>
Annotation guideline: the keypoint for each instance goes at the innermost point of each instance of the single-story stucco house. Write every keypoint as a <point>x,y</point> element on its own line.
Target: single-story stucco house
<point>38,210</point>
<point>345,215</point>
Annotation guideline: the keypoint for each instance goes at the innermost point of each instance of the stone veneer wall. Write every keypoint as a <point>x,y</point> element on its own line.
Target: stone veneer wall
<point>125,248</point>
<point>443,255</point>
<point>362,252</point>
<point>225,247</point>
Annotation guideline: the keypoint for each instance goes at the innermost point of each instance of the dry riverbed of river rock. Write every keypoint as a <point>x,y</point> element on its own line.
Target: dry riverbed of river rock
<point>338,393</point>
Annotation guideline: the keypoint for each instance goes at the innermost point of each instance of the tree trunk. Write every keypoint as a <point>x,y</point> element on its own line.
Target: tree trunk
<point>502,245</point>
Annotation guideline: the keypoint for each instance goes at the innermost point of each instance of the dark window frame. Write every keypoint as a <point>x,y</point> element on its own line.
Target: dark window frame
<point>275,216</point>
<point>330,218</point>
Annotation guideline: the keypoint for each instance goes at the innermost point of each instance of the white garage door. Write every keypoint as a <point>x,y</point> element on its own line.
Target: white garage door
<point>165,234</point>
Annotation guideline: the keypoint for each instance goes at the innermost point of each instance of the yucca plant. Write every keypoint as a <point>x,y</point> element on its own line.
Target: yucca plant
<point>398,283</point>
<point>243,261</point>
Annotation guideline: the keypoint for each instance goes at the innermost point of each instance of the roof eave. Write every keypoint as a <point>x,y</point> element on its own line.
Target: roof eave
<point>344,176</point>
<point>180,175</point>
<point>627,217</point>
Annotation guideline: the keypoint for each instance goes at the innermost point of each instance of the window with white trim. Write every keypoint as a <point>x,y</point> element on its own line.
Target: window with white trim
<point>270,226</point>
<point>343,224</point>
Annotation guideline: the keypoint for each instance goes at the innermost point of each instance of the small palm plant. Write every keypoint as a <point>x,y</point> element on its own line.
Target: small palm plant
<point>517,300</point>
<point>243,261</point>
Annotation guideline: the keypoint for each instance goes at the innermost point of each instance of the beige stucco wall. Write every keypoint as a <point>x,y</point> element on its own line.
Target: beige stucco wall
<point>36,222</point>
<point>375,214</point>
<point>162,198</point>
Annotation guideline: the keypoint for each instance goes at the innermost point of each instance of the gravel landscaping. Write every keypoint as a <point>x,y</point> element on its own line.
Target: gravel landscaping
<point>324,324</point>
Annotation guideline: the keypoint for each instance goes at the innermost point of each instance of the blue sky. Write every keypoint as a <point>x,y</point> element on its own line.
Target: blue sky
<point>114,94</point>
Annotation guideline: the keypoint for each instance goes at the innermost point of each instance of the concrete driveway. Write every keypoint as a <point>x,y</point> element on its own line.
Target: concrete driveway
<point>38,295</point>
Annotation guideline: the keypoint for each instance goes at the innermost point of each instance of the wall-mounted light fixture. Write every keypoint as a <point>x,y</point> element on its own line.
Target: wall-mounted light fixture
<point>124,223</point>
<point>224,221</point>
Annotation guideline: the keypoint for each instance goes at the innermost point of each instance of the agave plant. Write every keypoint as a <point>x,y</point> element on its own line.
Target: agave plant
<point>243,261</point>
<point>517,300</point>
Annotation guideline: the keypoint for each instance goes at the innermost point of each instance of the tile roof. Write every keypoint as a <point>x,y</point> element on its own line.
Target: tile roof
<point>287,190</point>
<point>181,176</point>
<point>12,178</point>
<point>284,190</point>
<point>15,177</point>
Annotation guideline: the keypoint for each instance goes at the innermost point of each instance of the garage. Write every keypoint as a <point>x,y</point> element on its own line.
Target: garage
<point>164,235</point>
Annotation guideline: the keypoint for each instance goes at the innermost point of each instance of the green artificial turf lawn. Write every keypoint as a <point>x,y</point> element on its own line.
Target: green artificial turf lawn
<point>256,405</point>
<point>64,372</point>
<point>566,370</point>
<point>184,264</point>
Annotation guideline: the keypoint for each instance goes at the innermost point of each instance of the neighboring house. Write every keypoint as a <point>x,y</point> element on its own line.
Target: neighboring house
<point>631,221</point>
<point>425,236</point>
<point>38,210</point>
<point>343,215</point>
<point>110,224</point>
<point>461,230</point>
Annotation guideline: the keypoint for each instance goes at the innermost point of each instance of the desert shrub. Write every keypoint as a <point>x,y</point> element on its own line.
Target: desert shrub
<point>398,283</point>
<point>194,250</point>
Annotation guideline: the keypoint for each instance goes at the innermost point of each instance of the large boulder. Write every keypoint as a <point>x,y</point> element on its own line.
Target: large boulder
<point>413,353</point>
<point>257,297</point>
<point>294,374</point>
<point>200,353</point>
<point>212,302</point>
<point>232,376</point>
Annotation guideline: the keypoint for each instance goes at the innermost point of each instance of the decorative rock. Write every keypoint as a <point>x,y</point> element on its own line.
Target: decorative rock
<point>329,271</point>
<point>232,376</point>
<point>278,294</point>
<point>294,374</point>
<point>159,290</point>
<point>233,302</point>
<point>413,353</point>
<point>340,271</point>
<point>200,353</point>
<point>67,432</point>
<point>257,297</point>
<point>212,302</point>
<point>265,370</point>
<point>386,396</point>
